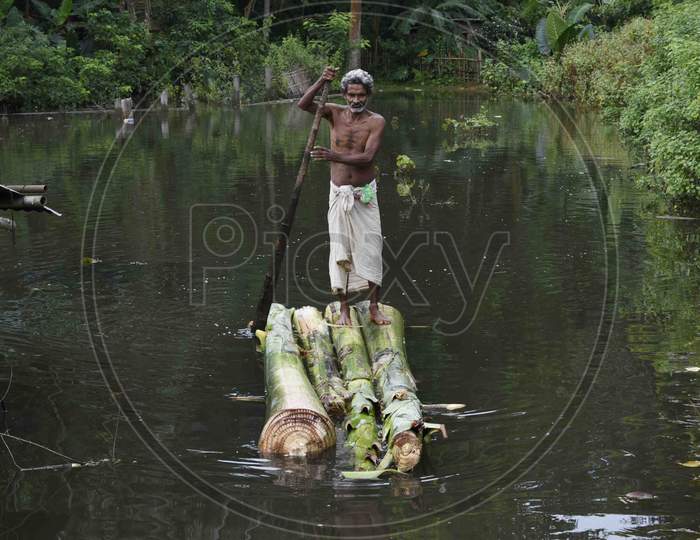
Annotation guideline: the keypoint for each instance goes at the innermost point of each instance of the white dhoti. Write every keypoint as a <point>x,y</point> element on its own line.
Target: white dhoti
<point>356,239</point>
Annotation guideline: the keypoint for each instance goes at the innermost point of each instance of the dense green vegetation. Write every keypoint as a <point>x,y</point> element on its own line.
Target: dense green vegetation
<point>643,74</point>
<point>87,53</point>
<point>638,61</point>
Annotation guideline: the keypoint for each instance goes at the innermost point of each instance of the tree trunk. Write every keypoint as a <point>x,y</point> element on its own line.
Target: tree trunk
<point>360,422</point>
<point>248,8</point>
<point>266,15</point>
<point>297,423</point>
<point>147,13</point>
<point>319,357</point>
<point>266,36</point>
<point>354,58</point>
<point>395,385</point>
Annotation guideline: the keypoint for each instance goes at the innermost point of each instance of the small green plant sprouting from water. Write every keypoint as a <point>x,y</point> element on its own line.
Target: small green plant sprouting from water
<point>403,188</point>
<point>404,165</point>
<point>403,173</point>
<point>468,132</point>
<point>478,124</point>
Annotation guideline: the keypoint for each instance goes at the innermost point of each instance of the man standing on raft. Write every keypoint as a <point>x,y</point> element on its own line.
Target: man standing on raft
<point>354,225</point>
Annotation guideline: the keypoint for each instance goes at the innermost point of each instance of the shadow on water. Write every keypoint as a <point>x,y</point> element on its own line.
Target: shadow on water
<point>171,294</point>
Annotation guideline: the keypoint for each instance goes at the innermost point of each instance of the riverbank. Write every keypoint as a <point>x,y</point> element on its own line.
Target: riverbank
<point>166,109</point>
<point>643,76</point>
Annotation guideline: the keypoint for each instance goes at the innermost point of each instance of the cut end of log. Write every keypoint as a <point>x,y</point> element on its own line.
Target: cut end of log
<point>297,432</point>
<point>406,450</point>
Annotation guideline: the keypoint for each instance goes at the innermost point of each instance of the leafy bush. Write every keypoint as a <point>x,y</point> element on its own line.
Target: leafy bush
<point>663,112</point>
<point>562,26</point>
<point>326,44</point>
<point>329,37</point>
<point>646,74</point>
<point>115,64</point>
<point>35,73</point>
<point>613,13</point>
<point>513,68</point>
<point>290,55</point>
<point>600,72</point>
<point>206,45</point>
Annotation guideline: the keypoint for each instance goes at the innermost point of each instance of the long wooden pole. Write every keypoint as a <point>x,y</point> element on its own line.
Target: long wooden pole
<point>275,268</point>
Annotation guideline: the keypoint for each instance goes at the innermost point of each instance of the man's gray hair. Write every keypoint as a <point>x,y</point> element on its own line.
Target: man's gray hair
<point>357,76</point>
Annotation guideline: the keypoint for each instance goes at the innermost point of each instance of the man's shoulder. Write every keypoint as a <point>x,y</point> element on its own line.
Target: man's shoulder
<point>376,118</point>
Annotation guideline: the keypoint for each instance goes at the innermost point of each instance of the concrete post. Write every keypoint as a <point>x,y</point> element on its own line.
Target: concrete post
<point>236,90</point>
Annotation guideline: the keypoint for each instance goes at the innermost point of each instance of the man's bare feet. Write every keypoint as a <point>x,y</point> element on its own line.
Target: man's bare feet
<point>376,316</point>
<point>344,319</point>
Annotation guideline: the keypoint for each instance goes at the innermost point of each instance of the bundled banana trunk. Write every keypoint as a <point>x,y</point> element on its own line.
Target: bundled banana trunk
<point>30,197</point>
<point>395,385</point>
<point>319,356</point>
<point>297,424</point>
<point>360,421</point>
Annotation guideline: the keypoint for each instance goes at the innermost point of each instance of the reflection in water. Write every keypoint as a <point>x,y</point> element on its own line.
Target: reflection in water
<point>604,525</point>
<point>177,358</point>
<point>300,475</point>
<point>165,128</point>
<point>408,487</point>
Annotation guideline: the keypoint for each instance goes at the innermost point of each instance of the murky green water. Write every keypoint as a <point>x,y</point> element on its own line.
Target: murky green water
<point>540,288</point>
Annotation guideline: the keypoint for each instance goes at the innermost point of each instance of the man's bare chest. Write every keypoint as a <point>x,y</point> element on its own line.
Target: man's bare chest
<point>345,137</point>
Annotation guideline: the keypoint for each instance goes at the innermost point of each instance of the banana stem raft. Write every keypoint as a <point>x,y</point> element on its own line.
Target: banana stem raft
<point>360,422</point>
<point>318,354</point>
<point>395,386</point>
<point>297,424</point>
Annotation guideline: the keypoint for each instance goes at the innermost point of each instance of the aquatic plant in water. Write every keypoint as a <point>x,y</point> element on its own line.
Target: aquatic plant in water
<point>477,124</point>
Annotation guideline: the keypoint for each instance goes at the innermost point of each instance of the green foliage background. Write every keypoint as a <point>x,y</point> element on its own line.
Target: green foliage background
<point>638,61</point>
<point>644,75</point>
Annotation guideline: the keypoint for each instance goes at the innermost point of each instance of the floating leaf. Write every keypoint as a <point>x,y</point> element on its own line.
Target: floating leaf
<point>692,463</point>
<point>368,475</point>
<point>260,335</point>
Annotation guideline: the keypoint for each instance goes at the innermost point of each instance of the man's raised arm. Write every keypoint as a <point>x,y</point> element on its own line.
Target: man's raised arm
<point>306,102</point>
